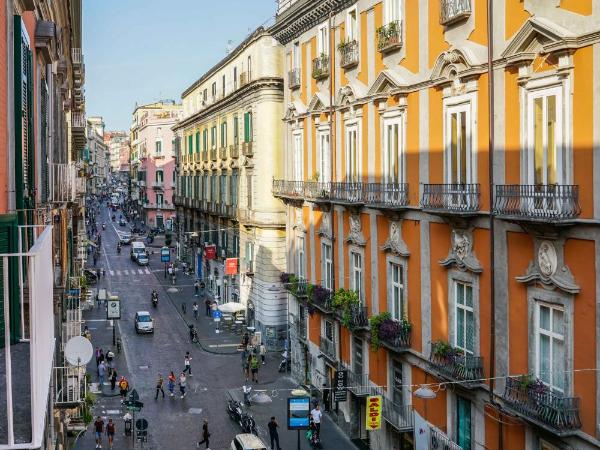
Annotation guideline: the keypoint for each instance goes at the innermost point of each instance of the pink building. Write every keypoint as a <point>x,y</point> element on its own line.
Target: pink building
<point>154,159</point>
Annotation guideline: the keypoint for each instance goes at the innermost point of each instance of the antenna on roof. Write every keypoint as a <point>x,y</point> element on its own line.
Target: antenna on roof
<point>229,47</point>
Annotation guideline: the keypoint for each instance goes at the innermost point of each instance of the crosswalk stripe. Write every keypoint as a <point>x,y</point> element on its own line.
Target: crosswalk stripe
<point>148,271</point>
<point>112,272</point>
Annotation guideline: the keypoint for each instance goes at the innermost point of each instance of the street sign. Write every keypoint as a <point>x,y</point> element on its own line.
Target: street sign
<point>165,254</point>
<point>217,314</point>
<point>231,266</point>
<point>373,416</point>
<point>141,424</point>
<point>134,396</point>
<point>113,310</point>
<point>298,411</point>
<point>133,405</point>
<point>210,251</point>
<point>340,383</point>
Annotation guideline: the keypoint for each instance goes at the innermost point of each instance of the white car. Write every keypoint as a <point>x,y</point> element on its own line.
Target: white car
<point>143,322</point>
<point>247,442</point>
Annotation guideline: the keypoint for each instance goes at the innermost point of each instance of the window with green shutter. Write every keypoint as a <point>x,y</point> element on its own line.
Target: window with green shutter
<point>224,134</point>
<point>44,177</point>
<point>205,140</point>
<point>236,136</point>
<point>213,137</point>
<point>197,142</point>
<point>8,244</point>
<point>248,127</point>
<point>190,144</point>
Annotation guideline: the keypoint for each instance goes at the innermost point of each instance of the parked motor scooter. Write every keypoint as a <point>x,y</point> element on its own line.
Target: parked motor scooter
<point>285,364</point>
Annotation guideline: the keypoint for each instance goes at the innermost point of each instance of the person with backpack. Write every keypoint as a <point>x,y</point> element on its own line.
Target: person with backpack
<point>123,387</point>
<point>110,432</point>
<point>159,386</point>
<point>254,368</point>
<point>171,383</point>
<point>205,434</point>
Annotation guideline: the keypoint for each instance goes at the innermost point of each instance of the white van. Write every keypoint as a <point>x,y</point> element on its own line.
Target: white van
<point>137,248</point>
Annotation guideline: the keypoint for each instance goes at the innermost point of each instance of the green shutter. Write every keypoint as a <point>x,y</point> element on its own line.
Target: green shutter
<point>246,127</point>
<point>44,178</point>
<point>197,142</point>
<point>190,142</point>
<point>8,244</point>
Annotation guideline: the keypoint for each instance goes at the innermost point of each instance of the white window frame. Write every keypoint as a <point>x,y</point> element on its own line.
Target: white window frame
<point>560,156</point>
<point>553,336</point>
<point>301,257</point>
<point>324,155</point>
<point>323,39</point>
<point>399,120</point>
<point>461,308</point>
<point>455,105</point>
<point>400,286</point>
<point>353,127</point>
<point>352,28</point>
<point>327,261</point>
<point>392,11</point>
<point>357,282</point>
<point>298,147</point>
<point>296,55</point>
<point>158,153</point>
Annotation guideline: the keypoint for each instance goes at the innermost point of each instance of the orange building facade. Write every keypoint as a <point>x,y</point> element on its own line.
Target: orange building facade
<point>409,262</point>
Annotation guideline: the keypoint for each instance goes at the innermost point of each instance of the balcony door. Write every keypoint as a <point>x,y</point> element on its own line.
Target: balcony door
<point>298,160</point>
<point>353,162</point>
<point>545,152</point>
<point>393,157</point>
<point>460,170</point>
<point>324,156</point>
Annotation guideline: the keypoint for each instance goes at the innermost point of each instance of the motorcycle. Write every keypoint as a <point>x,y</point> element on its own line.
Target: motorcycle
<point>194,335</point>
<point>285,364</point>
<point>244,420</point>
<point>103,226</point>
<point>119,249</point>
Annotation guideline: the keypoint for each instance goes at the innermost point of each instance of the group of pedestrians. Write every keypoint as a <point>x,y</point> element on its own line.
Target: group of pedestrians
<point>106,368</point>
<point>172,380</point>
<point>100,429</point>
<point>250,358</point>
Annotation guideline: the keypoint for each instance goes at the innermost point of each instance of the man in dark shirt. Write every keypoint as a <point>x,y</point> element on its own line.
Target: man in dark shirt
<point>99,429</point>
<point>274,434</point>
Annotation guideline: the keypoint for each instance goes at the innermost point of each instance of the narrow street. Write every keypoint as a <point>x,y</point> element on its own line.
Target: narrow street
<point>175,423</point>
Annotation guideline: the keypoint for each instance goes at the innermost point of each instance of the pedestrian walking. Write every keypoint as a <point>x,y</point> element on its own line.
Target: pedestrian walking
<point>101,374</point>
<point>195,310</point>
<point>171,383</point>
<point>246,390</point>
<point>187,361</point>
<point>205,434</point>
<point>110,432</point>
<point>247,367</point>
<point>183,308</point>
<point>245,339</point>
<point>113,380</point>
<point>109,362</point>
<point>97,353</point>
<point>159,386</point>
<point>254,368</point>
<point>99,429</point>
<point>263,353</point>
<point>123,387</point>
<point>207,304</point>
<point>182,384</point>
<point>274,434</point>
<point>196,288</point>
<point>326,394</point>
<point>101,357</point>
<point>316,415</point>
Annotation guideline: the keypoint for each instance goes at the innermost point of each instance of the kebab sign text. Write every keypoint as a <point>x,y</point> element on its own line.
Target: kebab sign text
<point>373,412</point>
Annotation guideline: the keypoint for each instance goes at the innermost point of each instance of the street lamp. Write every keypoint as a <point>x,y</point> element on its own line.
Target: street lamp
<point>425,392</point>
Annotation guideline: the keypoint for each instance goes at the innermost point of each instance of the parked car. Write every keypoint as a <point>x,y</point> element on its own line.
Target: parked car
<point>247,441</point>
<point>143,322</point>
<point>125,239</point>
<point>142,259</point>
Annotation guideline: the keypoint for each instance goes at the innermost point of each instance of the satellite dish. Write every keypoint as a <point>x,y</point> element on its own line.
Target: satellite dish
<point>78,351</point>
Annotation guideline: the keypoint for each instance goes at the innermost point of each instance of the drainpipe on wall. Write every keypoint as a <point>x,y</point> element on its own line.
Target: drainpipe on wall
<point>491,112</point>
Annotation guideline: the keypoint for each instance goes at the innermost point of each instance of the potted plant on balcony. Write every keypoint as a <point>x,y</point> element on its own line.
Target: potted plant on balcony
<point>375,323</point>
<point>344,301</point>
<point>441,350</point>
<point>388,35</point>
<point>320,294</point>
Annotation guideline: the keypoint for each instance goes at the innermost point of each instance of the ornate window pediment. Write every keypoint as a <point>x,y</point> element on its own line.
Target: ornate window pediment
<point>294,110</point>
<point>455,63</point>
<point>355,236</point>
<point>537,35</point>
<point>350,93</point>
<point>386,82</point>
<point>549,269</point>
<point>299,225</point>
<point>461,253</point>
<point>325,230</point>
<point>318,103</point>
<point>394,243</point>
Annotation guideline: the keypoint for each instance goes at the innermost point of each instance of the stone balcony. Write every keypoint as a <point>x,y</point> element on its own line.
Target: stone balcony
<point>349,54</point>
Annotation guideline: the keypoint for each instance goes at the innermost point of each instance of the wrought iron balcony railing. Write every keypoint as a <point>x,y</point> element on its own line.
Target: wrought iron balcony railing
<point>294,76</point>
<point>300,325</point>
<point>347,192</point>
<point>454,10</point>
<point>457,367</point>
<point>400,417</point>
<point>359,317</point>
<point>360,385</point>
<point>348,54</point>
<point>327,347</point>
<point>317,190</point>
<point>389,37</point>
<point>298,287</point>
<point>320,67</point>
<point>539,203</point>
<point>438,440</point>
<point>288,189</point>
<point>386,195</point>
<point>158,184</point>
<point>451,198</point>
<point>397,336</point>
<point>536,401</point>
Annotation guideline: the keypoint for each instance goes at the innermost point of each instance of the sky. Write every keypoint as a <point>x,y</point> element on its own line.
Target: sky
<point>145,50</point>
